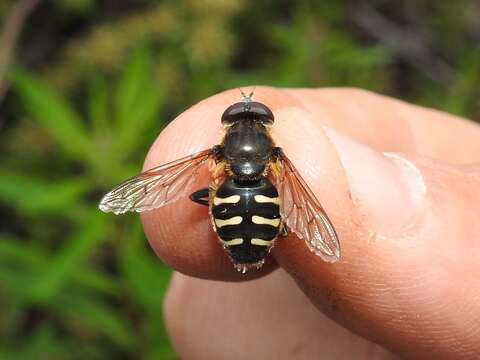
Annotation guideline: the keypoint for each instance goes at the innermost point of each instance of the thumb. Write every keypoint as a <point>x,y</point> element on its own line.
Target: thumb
<point>408,229</point>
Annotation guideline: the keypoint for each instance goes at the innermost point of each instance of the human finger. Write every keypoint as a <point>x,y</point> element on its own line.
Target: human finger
<point>186,242</point>
<point>406,225</point>
<point>267,318</point>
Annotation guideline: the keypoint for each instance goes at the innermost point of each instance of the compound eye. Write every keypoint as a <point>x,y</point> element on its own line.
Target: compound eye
<point>247,110</point>
<point>233,113</point>
<point>262,113</point>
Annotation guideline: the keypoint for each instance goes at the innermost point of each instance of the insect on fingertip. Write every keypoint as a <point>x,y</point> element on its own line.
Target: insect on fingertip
<point>255,191</point>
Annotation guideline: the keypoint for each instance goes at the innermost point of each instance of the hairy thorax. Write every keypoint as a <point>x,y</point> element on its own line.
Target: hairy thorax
<point>247,147</point>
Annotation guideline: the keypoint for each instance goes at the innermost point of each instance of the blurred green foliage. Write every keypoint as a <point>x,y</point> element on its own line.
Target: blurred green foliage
<point>103,81</point>
<point>76,283</point>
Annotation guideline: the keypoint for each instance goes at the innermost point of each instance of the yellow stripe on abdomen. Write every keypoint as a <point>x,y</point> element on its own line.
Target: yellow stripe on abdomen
<point>237,241</point>
<point>228,200</point>
<point>261,242</point>
<point>266,199</point>
<point>260,220</point>
<point>232,221</point>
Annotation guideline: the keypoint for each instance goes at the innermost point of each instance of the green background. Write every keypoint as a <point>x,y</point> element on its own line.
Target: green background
<point>90,85</point>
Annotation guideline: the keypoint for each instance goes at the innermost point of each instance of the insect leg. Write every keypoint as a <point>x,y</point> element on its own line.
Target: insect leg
<point>284,230</point>
<point>217,151</point>
<point>276,152</point>
<point>200,196</point>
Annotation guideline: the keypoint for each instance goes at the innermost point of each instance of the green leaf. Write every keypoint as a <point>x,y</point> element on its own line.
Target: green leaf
<point>76,306</point>
<point>25,261</point>
<point>145,115</point>
<point>14,251</point>
<point>92,315</point>
<point>16,283</point>
<point>145,274</point>
<point>53,113</point>
<point>32,195</point>
<point>98,105</point>
<point>71,258</point>
<point>97,281</point>
<point>137,101</point>
<point>43,344</point>
<point>148,280</point>
<point>130,87</point>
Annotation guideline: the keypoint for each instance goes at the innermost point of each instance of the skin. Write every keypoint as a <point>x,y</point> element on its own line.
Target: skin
<point>400,183</point>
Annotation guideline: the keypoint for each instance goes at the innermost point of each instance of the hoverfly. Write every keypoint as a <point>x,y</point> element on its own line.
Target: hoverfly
<point>255,193</point>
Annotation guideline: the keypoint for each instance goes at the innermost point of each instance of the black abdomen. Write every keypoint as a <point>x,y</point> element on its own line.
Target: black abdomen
<point>247,219</point>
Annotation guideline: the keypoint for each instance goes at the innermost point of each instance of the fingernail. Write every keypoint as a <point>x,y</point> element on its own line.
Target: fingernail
<point>387,189</point>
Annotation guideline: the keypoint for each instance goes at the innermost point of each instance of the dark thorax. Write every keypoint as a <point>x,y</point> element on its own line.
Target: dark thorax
<point>247,149</point>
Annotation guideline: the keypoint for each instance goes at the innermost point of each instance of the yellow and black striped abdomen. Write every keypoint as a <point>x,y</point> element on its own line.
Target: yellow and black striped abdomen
<point>246,217</point>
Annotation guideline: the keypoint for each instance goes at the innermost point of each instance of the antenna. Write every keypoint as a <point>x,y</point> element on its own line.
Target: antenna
<point>247,98</point>
<point>251,92</point>
<point>241,92</point>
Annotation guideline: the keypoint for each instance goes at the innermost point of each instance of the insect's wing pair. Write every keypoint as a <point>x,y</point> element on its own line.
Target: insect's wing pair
<point>167,183</point>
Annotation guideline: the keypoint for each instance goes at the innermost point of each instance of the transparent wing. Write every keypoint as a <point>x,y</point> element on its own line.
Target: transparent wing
<point>303,213</point>
<point>156,187</point>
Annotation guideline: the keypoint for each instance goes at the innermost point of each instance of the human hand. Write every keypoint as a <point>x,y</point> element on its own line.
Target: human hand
<point>409,278</point>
